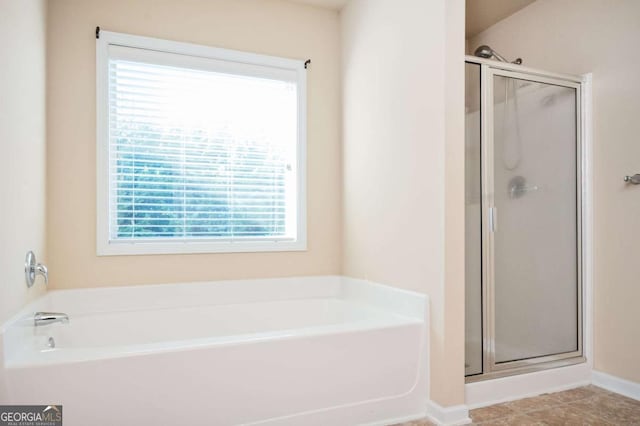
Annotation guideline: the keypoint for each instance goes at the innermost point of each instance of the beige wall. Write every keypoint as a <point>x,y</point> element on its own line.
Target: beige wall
<point>264,26</point>
<point>22,137</point>
<point>394,134</point>
<point>598,36</point>
<point>449,375</point>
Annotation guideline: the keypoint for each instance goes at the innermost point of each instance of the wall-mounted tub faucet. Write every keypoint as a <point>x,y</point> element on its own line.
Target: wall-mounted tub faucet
<point>32,269</point>
<point>44,318</point>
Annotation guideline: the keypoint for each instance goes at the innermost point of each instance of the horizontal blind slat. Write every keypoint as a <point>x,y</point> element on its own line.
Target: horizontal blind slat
<point>167,133</point>
<point>170,157</point>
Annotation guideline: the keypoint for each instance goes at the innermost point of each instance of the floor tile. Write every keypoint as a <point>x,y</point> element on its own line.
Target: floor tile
<point>531,404</point>
<point>611,409</point>
<point>491,413</point>
<point>573,394</point>
<point>564,416</point>
<point>517,420</point>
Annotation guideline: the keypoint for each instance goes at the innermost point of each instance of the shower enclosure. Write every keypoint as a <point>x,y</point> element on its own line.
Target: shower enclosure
<point>524,168</point>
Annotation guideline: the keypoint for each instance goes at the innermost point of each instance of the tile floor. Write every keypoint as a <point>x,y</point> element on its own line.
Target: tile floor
<point>587,406</point>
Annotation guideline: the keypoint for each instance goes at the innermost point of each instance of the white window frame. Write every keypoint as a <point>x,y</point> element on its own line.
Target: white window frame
<point>107,247</point>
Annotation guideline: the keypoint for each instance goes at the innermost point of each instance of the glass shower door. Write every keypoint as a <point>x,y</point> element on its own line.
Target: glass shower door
<point>531,206</point>
<point>473,223</point>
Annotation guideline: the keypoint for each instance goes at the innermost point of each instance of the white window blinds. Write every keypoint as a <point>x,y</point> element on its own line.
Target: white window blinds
<point>200,149</point>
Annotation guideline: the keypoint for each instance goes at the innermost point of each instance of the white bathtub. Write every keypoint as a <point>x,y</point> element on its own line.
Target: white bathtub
<point>312,351</point>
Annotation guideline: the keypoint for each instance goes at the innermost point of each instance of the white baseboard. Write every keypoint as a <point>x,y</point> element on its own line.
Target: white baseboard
<point>616,384</point>
<point>456,415</point>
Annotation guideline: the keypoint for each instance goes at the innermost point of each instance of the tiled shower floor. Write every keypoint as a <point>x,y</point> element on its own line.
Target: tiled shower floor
<point>589,405</point>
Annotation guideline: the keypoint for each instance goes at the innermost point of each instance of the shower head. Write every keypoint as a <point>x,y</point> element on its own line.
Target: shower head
<point>486,52</point>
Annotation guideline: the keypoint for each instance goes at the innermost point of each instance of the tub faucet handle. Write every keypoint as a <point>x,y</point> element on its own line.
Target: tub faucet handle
<point>42,270</point>
<point>32,269</point>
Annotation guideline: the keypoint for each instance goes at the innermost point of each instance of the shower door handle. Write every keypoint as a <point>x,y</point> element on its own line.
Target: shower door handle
<point>493,219</point>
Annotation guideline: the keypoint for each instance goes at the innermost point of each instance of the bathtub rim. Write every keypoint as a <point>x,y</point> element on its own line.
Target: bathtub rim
<point>389,300</point>
<point>373,293</point>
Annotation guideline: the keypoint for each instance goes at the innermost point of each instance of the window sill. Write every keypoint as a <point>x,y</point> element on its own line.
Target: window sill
<point>123,248</point>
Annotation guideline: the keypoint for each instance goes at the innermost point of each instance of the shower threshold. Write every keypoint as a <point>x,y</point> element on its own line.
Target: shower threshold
<point>535,366</point>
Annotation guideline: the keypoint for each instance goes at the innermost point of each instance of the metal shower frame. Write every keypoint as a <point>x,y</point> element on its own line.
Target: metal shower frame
<point>489,69</point>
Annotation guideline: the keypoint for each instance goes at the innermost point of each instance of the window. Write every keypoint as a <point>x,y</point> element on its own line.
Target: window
<point>200,149</point>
